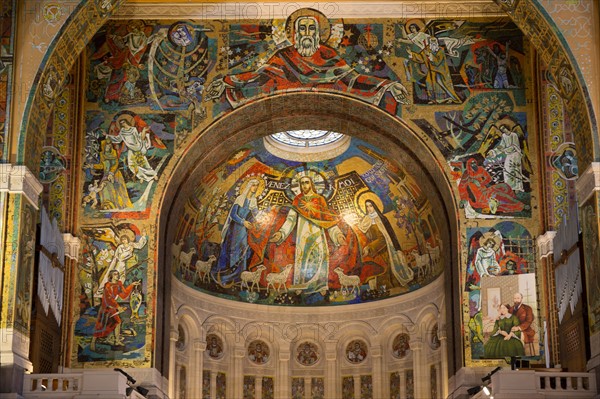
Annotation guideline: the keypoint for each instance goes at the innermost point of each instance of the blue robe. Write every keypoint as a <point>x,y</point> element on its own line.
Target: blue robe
<point>235,251</point>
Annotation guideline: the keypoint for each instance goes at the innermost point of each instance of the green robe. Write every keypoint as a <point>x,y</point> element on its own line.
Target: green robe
<point>496,347</point>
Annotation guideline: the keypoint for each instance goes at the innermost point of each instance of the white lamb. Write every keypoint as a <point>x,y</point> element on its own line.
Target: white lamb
<point>434,253</point>
<point>252,277</point>
<point>279,278</point>
<point>346,282</point>
<point>203,267</point>
<point>422,262</point>
<point>185,261</point>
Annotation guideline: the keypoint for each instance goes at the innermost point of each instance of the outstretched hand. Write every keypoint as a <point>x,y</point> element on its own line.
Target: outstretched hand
<point>399,92</point>
<point>276,237</point>
<point>214,89</point>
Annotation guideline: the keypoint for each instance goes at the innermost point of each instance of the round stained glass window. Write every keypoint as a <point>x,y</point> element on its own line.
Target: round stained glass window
<point>307,138</point>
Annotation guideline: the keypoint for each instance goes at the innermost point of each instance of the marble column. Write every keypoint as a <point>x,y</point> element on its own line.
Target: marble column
<point>403,383</point>
<point>236,377</point>
<point>72,245</point>
<point>332,382</point>
<point>173,337</point>
<point>282,379</point>
<point>378,377</point>
<point>443,374</point>
<point>307,386</point>
<point>356,386</point>
<point>195,379</point>
<point>420,378</point>
<point>213,384</point>
<point>258,387</point>
<point>545,246</point>
<point>19,197</point>
<point>177,381</point>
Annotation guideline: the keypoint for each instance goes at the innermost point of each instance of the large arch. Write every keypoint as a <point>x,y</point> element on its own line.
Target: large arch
<point>529,15</point>
<point>267,115</point>
<point>316,111</point>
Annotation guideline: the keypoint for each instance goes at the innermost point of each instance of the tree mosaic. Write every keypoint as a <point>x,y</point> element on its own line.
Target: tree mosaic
<point>113,295</point>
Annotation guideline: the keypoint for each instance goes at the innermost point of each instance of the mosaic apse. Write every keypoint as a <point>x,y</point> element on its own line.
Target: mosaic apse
<point>272,231</point>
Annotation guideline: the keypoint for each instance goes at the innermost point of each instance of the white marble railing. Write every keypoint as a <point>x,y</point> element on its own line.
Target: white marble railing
<point>97,383</point>
<point>511,384</point>
<point>563,385</point>
<point>57,385</point>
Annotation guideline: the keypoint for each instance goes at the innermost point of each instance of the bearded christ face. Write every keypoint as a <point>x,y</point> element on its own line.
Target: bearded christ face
<point>307,36</point>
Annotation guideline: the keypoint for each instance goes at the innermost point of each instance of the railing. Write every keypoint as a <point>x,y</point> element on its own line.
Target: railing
<point>529,383</point>
<point>57,385</point>
<point>94,383</point>
<point>557,384</point>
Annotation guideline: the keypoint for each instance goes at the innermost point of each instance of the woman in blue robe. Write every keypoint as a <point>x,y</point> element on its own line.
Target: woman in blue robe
<point>235,251</point>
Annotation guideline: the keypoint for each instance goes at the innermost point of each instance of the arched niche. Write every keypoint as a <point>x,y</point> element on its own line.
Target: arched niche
<point>315,111</point>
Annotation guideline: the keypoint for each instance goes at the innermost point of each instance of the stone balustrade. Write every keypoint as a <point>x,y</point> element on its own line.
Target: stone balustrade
<point>532,384</point>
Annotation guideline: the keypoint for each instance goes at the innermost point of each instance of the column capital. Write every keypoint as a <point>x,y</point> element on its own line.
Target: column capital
<point>376,351</point>
<point>588,182</point>
<point>199,345</point>
<point>416,344</point>
<point>239,353</point>
<point>545,244</point>
<point>173,335</point>
<point>72,245</point>
<point>284,355</point>
<point>18,179</point>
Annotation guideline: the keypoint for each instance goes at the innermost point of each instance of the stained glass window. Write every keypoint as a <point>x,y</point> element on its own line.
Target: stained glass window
<point>307,138</point>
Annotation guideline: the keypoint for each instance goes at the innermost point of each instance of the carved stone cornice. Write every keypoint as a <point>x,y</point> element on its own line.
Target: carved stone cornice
<point>72,245</point>
<point>270,10</point>
<point>588,182</point>
<point>199,345</point>
<point>545,244</point>
<point>17,179</point>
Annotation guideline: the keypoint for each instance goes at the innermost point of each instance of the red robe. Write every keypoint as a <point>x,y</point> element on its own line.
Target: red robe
<point>315,209</point>
<point>475,188</point>
<point>525,315</point>
<point>108,315</point>
<point>324,70</point>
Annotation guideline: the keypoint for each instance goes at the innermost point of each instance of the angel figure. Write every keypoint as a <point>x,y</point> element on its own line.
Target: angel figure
<point>512,152</point>
<point>125,258</point>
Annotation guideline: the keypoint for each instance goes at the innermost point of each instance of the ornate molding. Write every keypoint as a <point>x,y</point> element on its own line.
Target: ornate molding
<point>270,10</point>
<point>72,245</point>
<point>17,179</point>
<point>588,182</point>
<point>545,244</point>
<point>199,345</point>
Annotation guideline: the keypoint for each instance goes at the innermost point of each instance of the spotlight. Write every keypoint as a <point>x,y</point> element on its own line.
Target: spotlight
<point>142,391</point>
<point>474,390</point>
<point>43,387</point>
<point>486,391</point>
<point>130,379</point>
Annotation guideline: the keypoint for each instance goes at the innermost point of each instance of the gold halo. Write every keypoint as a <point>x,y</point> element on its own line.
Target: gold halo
<point>128,118</point>
<point>509,123</point>
<point>324,25</point>
<point>318,180</point>
<point>261,185</point>
<point>368,195</point>
<point>490,236</point>
<point>127,233</point>
<point>415,21</point>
